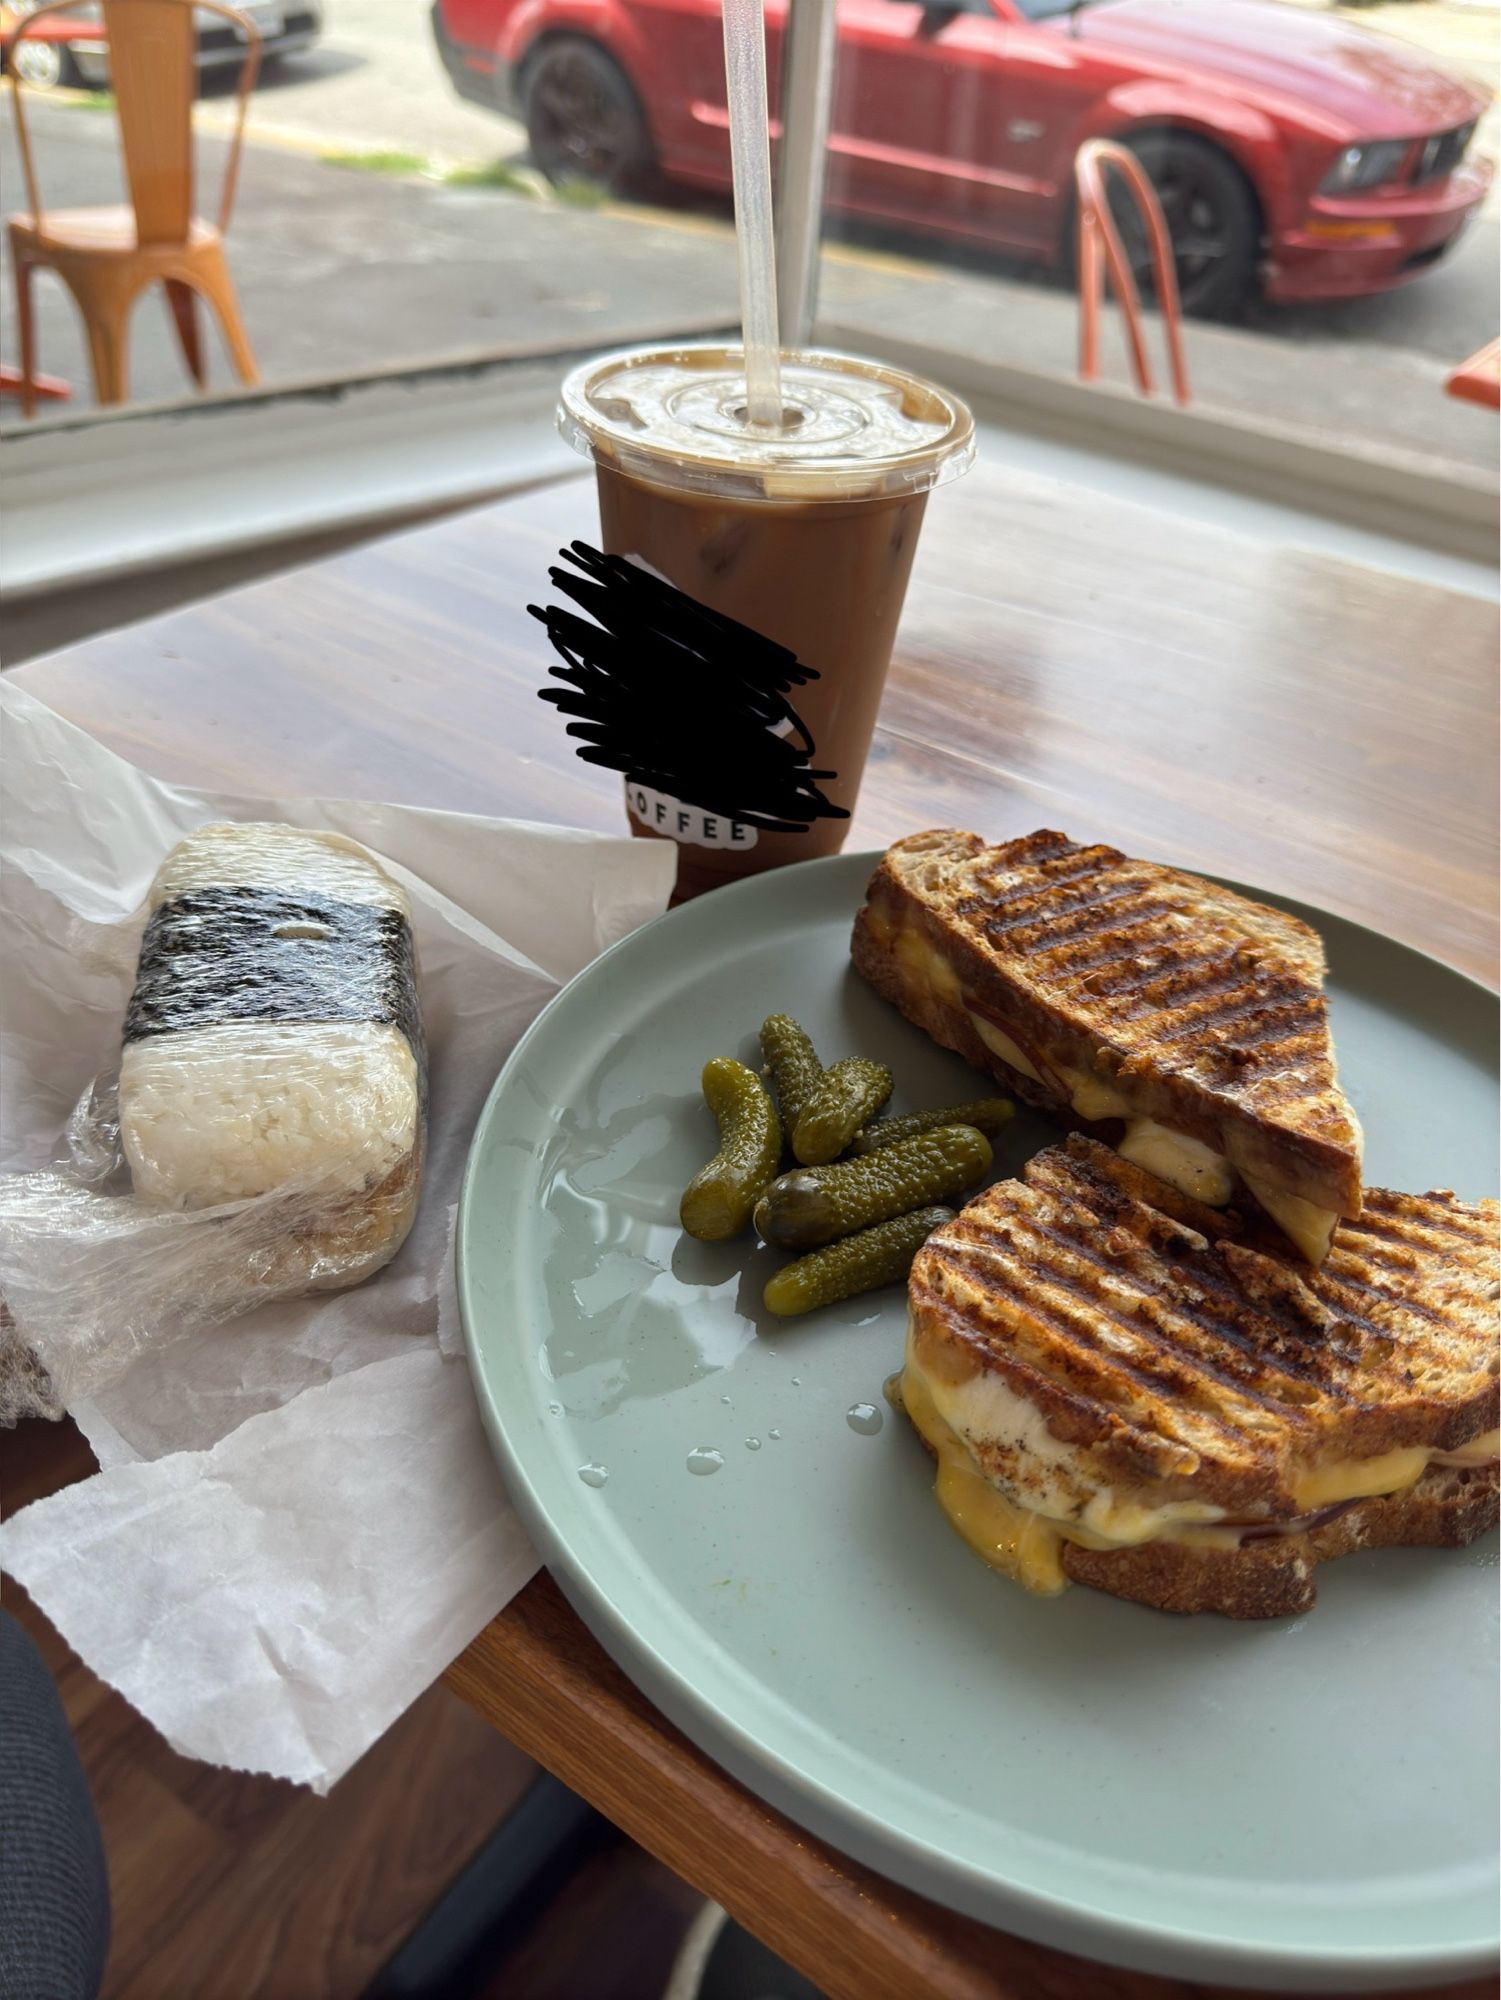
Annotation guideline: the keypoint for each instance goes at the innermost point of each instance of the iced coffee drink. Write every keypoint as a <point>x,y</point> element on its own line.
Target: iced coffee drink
<point>726,646</point>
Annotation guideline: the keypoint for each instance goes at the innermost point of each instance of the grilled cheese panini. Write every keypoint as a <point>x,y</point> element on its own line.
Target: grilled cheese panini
<point>1119,1390</point>
<point>1104,989</point>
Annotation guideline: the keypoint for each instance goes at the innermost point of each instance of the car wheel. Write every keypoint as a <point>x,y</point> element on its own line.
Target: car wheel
<point>583,119</point>
<point>1211,216</point>
<point>45,65</point>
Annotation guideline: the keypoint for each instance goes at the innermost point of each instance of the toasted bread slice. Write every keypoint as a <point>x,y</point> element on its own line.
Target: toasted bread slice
<point>1101,988</point>
<point>1122,1388</point>
<point>1273,1576</point>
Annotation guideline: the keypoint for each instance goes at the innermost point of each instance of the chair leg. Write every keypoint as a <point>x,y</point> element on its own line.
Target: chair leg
<point>26,328</point>
<point>216,285</point>
<point>108,338</point>
<point>183,303</point>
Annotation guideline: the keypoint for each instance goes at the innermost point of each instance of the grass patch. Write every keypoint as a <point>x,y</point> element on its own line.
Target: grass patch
<point>377,162</point>
<point>504,175</point>
<point>491,174</point>
<point>580,194</point>
<point>87,100</point>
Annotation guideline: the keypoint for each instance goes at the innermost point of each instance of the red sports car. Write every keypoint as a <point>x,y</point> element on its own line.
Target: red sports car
<point>1286,145</point>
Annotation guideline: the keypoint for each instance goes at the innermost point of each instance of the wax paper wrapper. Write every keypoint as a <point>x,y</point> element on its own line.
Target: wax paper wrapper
<point>297,1522</point>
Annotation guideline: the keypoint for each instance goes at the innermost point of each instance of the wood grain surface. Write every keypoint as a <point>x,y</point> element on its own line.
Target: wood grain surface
<point>228,1886</point>
<point>1323,730</point>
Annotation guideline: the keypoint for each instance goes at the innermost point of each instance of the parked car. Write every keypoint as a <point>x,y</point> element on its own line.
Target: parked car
<point>1288,147</point>
<point>70,49</point>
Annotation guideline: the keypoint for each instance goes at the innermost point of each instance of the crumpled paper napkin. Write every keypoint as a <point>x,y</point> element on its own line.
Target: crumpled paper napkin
<point>297,1523</point>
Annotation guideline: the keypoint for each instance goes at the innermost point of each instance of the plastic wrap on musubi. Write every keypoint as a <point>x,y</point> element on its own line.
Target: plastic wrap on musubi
<point>267,1130</point>
<point>274,1042</point>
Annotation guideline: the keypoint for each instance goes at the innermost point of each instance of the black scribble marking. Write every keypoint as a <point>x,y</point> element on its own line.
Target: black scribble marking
<point>680,698</point>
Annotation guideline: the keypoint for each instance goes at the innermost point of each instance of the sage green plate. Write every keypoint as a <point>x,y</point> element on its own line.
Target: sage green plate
<point>1310,1802</point>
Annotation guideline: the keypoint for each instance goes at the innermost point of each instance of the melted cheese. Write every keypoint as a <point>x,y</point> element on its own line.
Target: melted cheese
<point>1479,1451</point>
<point>1304,1223</point>
<point>1000,1044</point>
<point>985,1406</point>
<point>1028,1546</point>
<point>1187,1164</point>
<point>1010,1538</point>
<point>1358,1478</point>
<point>927,966</point>
<point>1092,1097</point>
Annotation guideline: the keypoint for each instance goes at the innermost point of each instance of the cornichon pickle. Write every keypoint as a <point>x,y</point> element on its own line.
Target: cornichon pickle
<point>986,1114</point>
<point>720,1197</point>
<point>794,1065</point>
<point>813,1205</point>
<point>849,1096</point>
<point>860,1263</point>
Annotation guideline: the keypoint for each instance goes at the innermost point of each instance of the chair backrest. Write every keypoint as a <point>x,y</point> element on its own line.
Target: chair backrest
<point>152,73</point>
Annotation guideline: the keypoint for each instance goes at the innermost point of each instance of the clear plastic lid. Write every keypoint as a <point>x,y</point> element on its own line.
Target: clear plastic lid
<point>852,429</point>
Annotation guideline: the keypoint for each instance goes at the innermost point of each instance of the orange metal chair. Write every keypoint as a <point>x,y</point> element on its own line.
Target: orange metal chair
<point>108,256</point>
<point>1100,247</point>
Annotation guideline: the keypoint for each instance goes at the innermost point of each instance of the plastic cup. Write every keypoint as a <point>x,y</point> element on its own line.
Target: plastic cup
<point>749,627</point>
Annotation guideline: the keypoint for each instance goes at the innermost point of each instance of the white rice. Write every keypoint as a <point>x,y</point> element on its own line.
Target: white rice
<point>218,1114</point>
<point>254,854</point>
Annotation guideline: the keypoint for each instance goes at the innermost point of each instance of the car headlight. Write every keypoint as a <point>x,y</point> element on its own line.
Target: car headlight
<point>1365,166</point>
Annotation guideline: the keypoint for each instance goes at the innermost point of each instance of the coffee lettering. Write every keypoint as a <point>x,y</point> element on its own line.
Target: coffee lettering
<point>686,823</point>
<point>691,706</point>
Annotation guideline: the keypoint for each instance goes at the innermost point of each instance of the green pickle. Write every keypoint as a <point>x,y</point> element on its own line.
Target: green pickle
<point>860,1263</point>
<point>720,1197</point>
<point>987,1114</point>
<point>794,1065</point>
<point>814,1205</point>
<point>850,1095</point>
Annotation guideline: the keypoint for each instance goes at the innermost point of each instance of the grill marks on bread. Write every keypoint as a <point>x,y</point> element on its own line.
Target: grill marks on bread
<point>1202,1007</point>
<point>1152,1338</point>
<point>1185,972</point>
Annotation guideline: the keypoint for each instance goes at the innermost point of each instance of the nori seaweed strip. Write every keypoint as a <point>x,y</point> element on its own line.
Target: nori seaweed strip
<point>214,956</point>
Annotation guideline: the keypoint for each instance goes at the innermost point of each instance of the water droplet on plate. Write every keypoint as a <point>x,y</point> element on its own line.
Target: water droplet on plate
<point>753,1444</point>
<point>704,1459</point>
<point>864,1418</point>
<point>593,1475</point>
<point>773,1434</point>
<point>797,1381</point>
<point>555,1409</point>
<point>724,1400</point>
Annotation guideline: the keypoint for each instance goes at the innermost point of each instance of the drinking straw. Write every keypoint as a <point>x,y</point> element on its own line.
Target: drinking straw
<point>750,159</point>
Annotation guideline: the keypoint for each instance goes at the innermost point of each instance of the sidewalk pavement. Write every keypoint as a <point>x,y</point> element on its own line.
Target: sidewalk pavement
<point>341,272</point>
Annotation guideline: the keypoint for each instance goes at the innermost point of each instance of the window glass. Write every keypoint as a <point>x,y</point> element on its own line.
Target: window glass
<point>481,177</point>
<point>1324,171</point>
<point>512,176</point>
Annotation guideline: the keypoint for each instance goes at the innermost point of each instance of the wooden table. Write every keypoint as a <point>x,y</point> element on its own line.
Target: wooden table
<point>1323,730</point>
